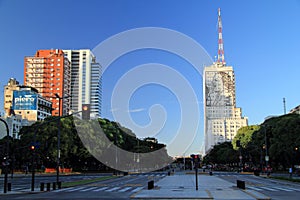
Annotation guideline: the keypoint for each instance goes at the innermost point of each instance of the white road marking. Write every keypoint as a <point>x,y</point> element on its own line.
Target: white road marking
<point>112,189</point>
<point>137,189</point>
<point>125,189</point>
<point>100,189</point>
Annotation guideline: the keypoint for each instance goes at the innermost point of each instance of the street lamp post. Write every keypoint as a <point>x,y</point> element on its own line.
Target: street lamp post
<point>33,161</point>
<point>58,140</point>
<point>116,155</point>
<point>58,135</point>
<point>7,153</point>
<point>266,147</point>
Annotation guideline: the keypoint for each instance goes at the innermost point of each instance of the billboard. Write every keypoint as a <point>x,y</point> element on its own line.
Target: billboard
<point>24,100</point>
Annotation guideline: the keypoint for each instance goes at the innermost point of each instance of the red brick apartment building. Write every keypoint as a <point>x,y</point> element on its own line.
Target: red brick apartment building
<point>49,72</point>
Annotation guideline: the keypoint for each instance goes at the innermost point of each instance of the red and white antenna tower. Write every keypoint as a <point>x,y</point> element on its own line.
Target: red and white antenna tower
<point>221,58</point>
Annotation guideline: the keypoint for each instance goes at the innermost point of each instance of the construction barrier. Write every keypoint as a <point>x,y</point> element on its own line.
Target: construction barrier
<point>61,170</point>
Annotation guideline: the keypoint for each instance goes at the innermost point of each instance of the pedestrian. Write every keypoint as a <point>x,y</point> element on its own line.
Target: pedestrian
<point>290,171</point>
<point>269,169</point>
<point>26,169</point>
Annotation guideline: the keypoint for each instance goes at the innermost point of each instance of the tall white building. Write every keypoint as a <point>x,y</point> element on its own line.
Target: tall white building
<point>86,84</point>
<point>222,118</point>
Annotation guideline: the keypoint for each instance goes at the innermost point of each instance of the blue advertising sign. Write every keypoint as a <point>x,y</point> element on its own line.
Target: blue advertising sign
<point>24,100</point>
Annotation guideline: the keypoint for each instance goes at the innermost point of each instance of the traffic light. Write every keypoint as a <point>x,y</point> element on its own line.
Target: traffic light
<point>195,158</point>
<point>32,147</point>
<point>86,111</point>
<point>192,157</point>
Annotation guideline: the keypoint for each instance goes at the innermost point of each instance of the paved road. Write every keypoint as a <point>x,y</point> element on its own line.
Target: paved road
<point>276,189</point>
<point>23,182</point>
<point>119,188</point>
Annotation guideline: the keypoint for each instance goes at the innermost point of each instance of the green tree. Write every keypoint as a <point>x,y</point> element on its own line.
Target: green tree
<point>244,135</point>
<point>74,153</point>
<point>222,154</point>
<point>281,136</point>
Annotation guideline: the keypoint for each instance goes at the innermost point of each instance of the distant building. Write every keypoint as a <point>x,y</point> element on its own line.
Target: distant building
<point>295,110</point>
<point>11,86</point>
<point>86,82</point>
<point>153,140</point>
<point>222,118</point>
<point>23,106</point>
<point>15,123</point>
<point>31,105</point>
<point>49,72</point>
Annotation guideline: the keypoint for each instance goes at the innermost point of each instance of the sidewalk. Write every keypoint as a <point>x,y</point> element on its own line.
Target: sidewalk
<point>183,186</point>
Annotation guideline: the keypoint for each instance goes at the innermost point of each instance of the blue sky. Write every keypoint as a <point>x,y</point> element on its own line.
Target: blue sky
<point>261,42</point>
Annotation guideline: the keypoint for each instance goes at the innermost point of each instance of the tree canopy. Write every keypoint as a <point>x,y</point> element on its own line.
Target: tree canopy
<point>73,154</point>
<point>278,138</point>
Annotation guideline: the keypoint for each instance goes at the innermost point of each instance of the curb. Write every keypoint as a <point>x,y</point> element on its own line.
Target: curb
<point>257,195</point>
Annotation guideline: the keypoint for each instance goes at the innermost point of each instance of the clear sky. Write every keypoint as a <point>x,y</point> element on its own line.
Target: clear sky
<point>261,42</point>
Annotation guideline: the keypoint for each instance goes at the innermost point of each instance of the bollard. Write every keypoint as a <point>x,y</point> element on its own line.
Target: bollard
<point>169,173</point>
<point>210,173</point>
<point>8,186</point>
<point>150,185</point>
<point>42,186</point>
<point>59,185</point>
<point>240,184</point>
<point>54,185</point>
<point>48,186</point>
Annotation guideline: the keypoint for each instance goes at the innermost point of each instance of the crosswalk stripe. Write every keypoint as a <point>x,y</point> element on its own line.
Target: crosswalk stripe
<point>125,189</point>
<point>112,189</point>
<point>137,189</point>
<point>100,189</point>
<point>283,189</point>
<point>74,189</point>
<point>19,188</point>
<point>254,188</point>
<point>295,189</point>
<point>64,189</point>
<point>90,188</point>
<point>266,188</point>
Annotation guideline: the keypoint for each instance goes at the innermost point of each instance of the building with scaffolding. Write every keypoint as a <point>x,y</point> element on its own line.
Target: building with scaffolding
<point>222,118</point>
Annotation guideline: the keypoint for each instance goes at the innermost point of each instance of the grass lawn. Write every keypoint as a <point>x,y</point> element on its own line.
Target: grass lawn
<point>287,179</point>
<point>86,181</point>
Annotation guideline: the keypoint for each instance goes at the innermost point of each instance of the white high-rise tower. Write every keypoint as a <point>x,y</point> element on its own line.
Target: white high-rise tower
<point>222,118</point>
<point>86,84</point>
